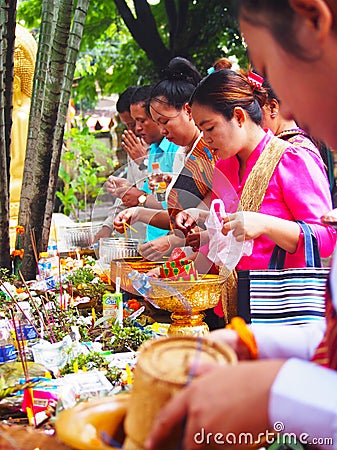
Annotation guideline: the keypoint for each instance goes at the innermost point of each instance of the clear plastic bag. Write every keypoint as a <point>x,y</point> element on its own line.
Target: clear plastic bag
<point>224,250</point>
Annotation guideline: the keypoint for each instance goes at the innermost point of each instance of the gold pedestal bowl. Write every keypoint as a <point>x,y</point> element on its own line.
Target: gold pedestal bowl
<point>187,300</point>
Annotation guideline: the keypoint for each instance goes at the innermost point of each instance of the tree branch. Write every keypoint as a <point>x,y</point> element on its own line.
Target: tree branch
<point>172,20</point>
<point>182,16</point>
<point>144,30</point>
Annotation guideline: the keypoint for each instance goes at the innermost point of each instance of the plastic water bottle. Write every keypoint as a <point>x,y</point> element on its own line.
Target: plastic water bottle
<point>158,182</point>
<point>44,266</point>
<point>25,318</point>
<point>53,257</point>
<point>7,349</point>
<point>140,282</point>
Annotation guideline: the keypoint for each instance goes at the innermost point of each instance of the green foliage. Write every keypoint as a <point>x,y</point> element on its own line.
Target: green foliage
<point>29,13</point>
<point>126,69</point>
<point>212,32</point>
<point>92,361</point>
<point>94,67</point>
<point>110,56</point>
<point>82,176</point>
<point>5,275</point>
<point>86,284</point>
<point>125,339</point>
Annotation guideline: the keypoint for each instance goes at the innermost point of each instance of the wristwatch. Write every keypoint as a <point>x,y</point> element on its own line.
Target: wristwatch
<point>142,199</point>
<point>143,164</point>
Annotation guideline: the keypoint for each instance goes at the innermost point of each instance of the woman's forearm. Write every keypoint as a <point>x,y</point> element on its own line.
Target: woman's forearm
<point>155,217</point>
<point>284,233</point>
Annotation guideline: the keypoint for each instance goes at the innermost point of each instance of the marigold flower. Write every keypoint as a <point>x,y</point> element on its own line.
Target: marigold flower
<point>245,334</point>
<point>104,277</point>
<point>20,229</point>
<point>18,253</point>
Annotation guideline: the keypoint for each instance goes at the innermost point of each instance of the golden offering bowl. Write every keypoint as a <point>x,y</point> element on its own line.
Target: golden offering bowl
<point>186,300</point>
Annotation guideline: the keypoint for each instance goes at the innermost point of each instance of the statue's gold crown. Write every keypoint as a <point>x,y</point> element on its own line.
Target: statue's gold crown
<point>24,58</point>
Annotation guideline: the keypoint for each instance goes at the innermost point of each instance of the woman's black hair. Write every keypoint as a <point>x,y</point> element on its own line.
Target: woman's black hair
<point>178,82</point>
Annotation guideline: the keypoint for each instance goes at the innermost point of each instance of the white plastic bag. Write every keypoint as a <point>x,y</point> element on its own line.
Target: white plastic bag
<point>224,250</point>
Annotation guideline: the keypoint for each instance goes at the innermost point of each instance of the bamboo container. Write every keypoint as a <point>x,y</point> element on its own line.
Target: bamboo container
<point>163,368</point>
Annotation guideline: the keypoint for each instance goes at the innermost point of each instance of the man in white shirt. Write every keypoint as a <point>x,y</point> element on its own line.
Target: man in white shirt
<point>160,150</point>
<point>137,157</point>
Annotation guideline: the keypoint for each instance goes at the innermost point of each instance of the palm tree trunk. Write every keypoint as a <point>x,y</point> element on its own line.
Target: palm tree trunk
<point>37,192</point>
<point>29,179</point>
<point>72,52</point>
<point>7,37</point>
<point>54,75</point>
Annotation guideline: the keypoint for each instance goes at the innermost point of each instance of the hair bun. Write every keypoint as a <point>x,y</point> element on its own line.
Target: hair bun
<point>168,74</point>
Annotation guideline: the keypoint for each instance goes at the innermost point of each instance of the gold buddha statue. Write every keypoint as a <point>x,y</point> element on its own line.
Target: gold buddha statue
<point>24,64</point>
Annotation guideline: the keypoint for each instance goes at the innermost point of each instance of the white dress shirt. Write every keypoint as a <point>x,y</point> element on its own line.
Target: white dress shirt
<point>303,398</point>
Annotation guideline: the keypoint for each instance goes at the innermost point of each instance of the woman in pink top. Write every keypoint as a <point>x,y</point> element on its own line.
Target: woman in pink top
<point>290,195</point>
<point>226,107</point>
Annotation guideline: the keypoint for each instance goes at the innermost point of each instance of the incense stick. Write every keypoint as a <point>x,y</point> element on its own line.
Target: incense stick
<point>18,343</point>
<point>22,353</point>
<point>125,231</point>
<point>23,312</point>
<point>60,280</point>
<point>50,328</point>
<point>22,335</point>
<point>29,293</point>
<point>33,241</point>
<point>131,228</point>
<point>21,349</point>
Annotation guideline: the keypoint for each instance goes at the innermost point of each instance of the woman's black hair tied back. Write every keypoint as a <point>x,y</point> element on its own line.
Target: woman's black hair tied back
<point>178,81</point>
<point>167,74</point>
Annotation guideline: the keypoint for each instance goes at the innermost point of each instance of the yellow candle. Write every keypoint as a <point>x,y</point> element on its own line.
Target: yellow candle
<point>129,374</point>
<point>93,314</point>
